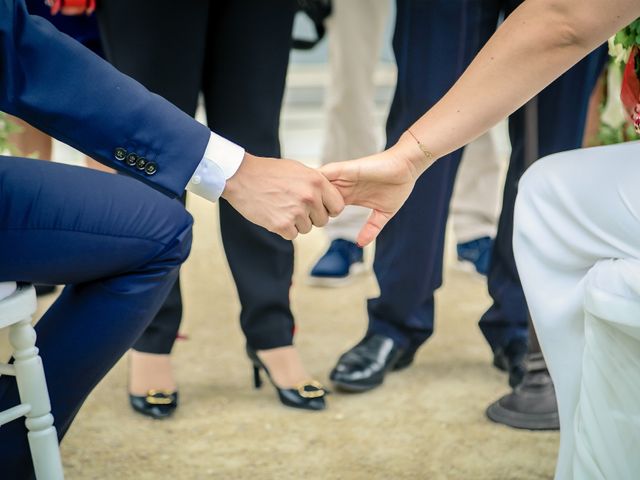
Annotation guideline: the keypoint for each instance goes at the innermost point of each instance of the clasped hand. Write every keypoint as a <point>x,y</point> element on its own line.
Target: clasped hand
<point>287,198</point>
<point>283,196</point>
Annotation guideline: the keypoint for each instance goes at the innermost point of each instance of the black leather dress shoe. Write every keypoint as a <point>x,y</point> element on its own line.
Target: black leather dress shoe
<point>156,404</point>
<point>511,359</point>
<point>532,404</point>
<point>405,360</point>
<point>365,365</point>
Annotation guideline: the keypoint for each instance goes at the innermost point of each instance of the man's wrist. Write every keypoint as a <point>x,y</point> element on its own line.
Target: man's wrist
<point>226,154</point>
<point>232,184</point>
<point>220,162</point>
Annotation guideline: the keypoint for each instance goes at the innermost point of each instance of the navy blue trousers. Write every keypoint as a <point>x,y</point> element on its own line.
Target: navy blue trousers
<point>117,245</point>
<point>434,42</point>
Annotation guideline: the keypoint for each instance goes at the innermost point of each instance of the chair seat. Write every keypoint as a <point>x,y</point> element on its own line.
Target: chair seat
<point>20,305</point>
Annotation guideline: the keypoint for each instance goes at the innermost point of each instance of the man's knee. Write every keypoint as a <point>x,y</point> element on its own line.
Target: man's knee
<point>179,235</point>
<point>172,230</point>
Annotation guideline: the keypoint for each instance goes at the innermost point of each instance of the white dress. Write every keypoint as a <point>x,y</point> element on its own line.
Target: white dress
<point>6,289</point>
<point>577,247</point>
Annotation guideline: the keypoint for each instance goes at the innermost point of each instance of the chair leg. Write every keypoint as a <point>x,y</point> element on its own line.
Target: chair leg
<point>32,386</point>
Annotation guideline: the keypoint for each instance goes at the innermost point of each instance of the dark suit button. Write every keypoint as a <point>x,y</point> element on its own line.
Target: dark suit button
<point>120,154</point>
<point>132,159</point>
<point>151,168</point>
<point>141,163</point>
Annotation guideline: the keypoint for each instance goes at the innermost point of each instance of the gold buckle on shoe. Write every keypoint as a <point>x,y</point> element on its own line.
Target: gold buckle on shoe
<point>164,400</point>
<point>304,393</point>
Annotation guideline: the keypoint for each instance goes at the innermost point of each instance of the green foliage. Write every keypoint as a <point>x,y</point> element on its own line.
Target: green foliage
<point>608,135</point>
<point>629,36</point>
<point>6,128</point>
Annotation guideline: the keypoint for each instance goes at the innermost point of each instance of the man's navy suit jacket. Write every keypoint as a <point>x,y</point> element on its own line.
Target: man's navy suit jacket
<point>62,88</point>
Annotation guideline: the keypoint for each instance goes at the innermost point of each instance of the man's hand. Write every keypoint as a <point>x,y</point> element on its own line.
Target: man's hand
<point>283,196</point>
<point>381,182</point>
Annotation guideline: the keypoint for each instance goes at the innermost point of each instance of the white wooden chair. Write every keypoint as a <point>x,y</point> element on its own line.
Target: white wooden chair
<point>16,312</point>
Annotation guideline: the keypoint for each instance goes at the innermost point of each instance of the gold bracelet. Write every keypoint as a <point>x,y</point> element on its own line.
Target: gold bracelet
<point>428,155</point>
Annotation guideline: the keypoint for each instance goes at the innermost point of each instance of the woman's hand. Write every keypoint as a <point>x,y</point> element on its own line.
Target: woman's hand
<point>381,182</point>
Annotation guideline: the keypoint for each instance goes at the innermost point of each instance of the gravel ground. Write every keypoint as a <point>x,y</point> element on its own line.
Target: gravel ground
<point>426,422</point>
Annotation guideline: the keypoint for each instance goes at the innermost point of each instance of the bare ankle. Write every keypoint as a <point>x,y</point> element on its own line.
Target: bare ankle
<point>285,366</point>
<point>148,371</point>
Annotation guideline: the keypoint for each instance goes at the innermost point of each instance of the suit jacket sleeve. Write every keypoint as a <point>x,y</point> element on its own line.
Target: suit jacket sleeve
<point>62,88</point>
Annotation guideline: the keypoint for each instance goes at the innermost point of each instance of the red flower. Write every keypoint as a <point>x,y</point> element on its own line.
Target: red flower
<point>630,94</point>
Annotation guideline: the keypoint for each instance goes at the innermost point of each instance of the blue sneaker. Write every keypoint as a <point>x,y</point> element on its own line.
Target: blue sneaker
<point>477,252</point>
<point>341,262</point>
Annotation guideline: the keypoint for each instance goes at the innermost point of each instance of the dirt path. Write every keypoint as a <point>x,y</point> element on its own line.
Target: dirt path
<point>425,423</point>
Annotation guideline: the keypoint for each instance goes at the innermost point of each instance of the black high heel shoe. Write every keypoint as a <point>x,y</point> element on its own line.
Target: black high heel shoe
<point>155,404</point>
<point>308,395</point>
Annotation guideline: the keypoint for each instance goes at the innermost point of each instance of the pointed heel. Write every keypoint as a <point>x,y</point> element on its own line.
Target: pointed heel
<point>257,379</point>
<point>308,395</point>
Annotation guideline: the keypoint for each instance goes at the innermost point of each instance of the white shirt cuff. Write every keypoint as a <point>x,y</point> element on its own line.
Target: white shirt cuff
<point>220,162</point>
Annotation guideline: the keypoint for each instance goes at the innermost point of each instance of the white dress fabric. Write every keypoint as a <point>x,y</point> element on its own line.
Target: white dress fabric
<point>6,289</point>
<point>577,247</point>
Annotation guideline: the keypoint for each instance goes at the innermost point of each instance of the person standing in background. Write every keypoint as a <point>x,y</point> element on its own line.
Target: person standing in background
<point>356,39</point>
<point>355,34</point>
<point>234,52</point>
<point>475,204</point>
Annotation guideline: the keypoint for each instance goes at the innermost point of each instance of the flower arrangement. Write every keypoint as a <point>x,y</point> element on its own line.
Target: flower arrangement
<point>623,41</point>
<point>616,125</point>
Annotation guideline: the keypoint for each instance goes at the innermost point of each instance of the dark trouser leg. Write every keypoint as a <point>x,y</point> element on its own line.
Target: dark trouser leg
<point>246,64</point>
<point>433,42</point>
<point>118,251</point>
<point>163,48</point>
<point>562,109</point>
<point>408,260</point>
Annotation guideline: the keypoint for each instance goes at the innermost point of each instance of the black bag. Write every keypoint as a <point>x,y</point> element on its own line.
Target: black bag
<point>318,11</point>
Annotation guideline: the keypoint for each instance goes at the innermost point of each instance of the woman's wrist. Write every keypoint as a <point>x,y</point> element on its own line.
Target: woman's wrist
<point>409,149</point>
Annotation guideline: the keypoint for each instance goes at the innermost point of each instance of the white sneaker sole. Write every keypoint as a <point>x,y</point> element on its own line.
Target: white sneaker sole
<point>355,270</point>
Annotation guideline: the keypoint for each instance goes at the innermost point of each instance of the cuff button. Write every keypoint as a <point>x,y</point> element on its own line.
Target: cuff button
<point>141,163</point>
<point>151,168</point>
<point>120,154</point>
<point>132,159</point>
